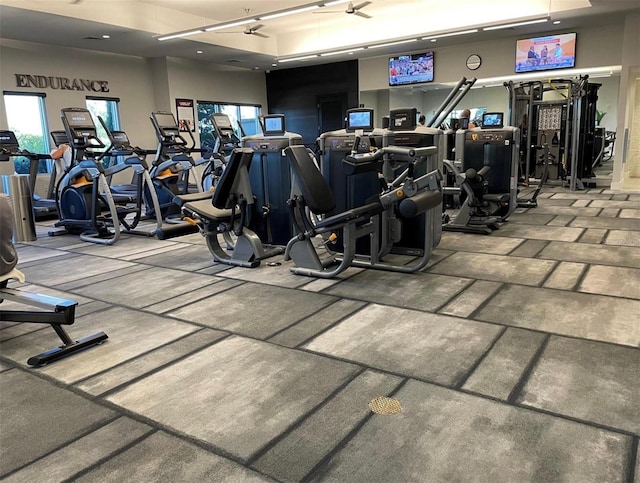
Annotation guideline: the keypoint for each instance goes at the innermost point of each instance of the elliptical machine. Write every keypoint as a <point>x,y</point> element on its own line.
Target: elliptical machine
<point>85,202</point>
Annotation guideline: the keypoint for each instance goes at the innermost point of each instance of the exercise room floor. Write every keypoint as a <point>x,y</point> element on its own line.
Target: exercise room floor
<point>515,357</point>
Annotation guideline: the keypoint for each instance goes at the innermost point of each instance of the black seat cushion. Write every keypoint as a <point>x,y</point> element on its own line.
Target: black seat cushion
<point>240,158</point>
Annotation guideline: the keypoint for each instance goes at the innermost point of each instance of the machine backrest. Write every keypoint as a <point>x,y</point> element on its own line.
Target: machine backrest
<point>234,180</point>
<point>314,188</point>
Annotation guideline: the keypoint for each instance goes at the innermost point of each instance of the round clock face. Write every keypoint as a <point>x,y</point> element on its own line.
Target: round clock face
<point>473,61</point>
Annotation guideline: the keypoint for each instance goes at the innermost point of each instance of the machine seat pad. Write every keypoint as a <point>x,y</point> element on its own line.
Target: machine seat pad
<point>496,197</point>
<point>188,198</point>
<point>364,211</point>
<point>313,186</point>
<point>205,209</point>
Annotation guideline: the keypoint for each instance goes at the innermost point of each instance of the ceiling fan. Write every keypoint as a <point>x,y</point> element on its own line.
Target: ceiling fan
<point>248,31</point>
<point>351,10</point>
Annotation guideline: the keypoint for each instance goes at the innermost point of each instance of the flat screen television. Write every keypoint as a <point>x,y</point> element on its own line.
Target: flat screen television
<point>273,125</point>
<point>360,118</point>
<point>411,69</point>
<point>557,51</point>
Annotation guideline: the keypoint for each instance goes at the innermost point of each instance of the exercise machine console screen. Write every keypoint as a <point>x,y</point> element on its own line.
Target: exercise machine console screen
<point>492,120</point>
<point>360,118</point>
<point>273,125</point>
<point>403,119</point>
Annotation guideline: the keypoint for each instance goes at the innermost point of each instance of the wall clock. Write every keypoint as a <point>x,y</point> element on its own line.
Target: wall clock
<point>473,62</point>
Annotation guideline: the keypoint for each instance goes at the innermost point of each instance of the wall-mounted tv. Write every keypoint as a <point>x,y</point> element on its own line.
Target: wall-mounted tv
<point>544,53</point>
<point>411,69</point>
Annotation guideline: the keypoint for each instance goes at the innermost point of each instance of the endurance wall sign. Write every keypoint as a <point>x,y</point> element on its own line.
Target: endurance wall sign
<point>61,83</point>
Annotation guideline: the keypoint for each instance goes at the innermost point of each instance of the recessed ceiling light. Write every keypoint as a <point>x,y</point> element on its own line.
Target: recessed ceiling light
<point>556,22</point>
<point>105,36</point>
<point>434,40</point>
<point>199,52</point>
<point>274,65</point>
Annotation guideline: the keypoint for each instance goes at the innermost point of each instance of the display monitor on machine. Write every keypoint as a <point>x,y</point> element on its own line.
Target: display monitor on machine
<point>360,118</point>
<point>274,125</point>
<point>492,120</point>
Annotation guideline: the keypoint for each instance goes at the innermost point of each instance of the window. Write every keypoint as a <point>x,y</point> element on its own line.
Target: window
<point>244,119</point>
<point>26,117</point>
<point>107,109</point>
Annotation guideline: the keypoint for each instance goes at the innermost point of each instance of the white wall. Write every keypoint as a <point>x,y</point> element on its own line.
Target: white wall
<point>143,85</point>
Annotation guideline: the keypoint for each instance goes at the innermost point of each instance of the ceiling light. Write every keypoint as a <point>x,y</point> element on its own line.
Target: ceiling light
<point>180,34</point>
<point>450,34</point>
<point>335,2</point>
<point>287,12</point>
<point>105,36</point>
<point>389,44</point>
<point>556,22</point>
<point>516,24</point>
<point>434,40</point>
<point>199,52</point>
<point>346,51</point>
<point>304,57</point>
<point>230,24</point>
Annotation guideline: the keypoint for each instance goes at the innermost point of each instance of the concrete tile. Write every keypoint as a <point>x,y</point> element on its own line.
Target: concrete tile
<point>214,269</point>
<point>530,232</point>
<point>28,402</point>
<point>622,238</point>
<point>497,245</point>
<point>632,205</point>
<point>101,277</point>
<point>83,453</point>
<point>426,346</point>
<point>316,323</point>
<point>552,201</point>
<point>181,257</point>
<point>253,391</point>
<point>150,362</point>
<point>279,275</point>
<point>11,330</point>
<point>587,380</point>
<point>565,276</point>
<point>5,366</point>
<point>620,197</point>
<point>321,284</point>
<point>637,472</point>
<point>59,270</point>
<point>469,300</point>
<point>629,213</point>
<point>593,235</point>
<point>531,218</point>
<point>421,291</point>
<point>588,253</point>
<point>610,212</point>
<point>442,435</point>
<point>567,210</point>
<point>496,268</point>
<point>529,249</point>
<point>162,457</point>
<point>146,287</point>
<point>194,297</point>
<point>127,246</point>
<point>581,203</point>
<point>594,317</point>
<point>295,456</point>
<point>616,281</point>
<point>131,333</point>
<point>503,366</point>
<point>634,197</point>
<point>561,220</point>
<point>576,195</point>
<point>254,309</point>
<point>606,223</point>
<point>31,253</point>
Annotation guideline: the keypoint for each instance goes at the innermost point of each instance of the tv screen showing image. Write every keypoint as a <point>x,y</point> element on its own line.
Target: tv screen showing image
<point>556,51</point>
<point>79,119</point>
<point>360,118</point>
<point>411,69</point>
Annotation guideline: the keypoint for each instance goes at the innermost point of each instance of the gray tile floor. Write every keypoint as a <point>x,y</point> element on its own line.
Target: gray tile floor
<point>515,357</point>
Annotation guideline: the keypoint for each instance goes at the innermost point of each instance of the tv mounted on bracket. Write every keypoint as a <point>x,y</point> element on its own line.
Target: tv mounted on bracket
<point>557,51</point>
<point>411,69</point>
